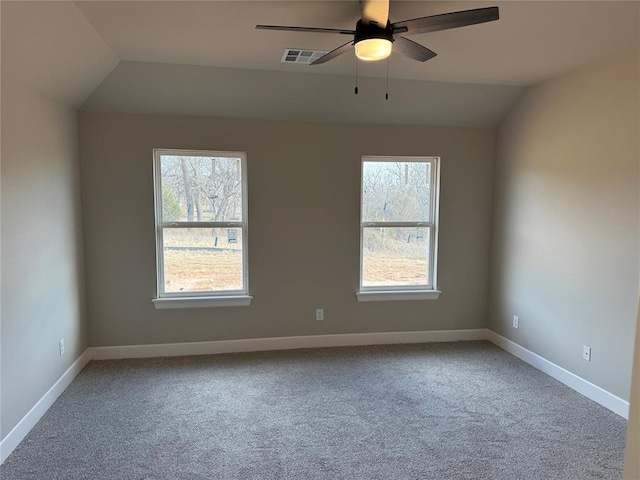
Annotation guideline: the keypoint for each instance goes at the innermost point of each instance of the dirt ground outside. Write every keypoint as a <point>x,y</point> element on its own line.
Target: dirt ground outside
<point>205,270</point>
<point>205,259</point>
<point>202,259</point>
<point>202,271</point>
<point>391,268</point>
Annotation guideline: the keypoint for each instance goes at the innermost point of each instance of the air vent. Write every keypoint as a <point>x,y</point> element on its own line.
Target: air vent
<point>299,55</point>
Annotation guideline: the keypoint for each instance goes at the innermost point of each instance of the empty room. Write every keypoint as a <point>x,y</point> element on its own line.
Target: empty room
<point>320,240</point>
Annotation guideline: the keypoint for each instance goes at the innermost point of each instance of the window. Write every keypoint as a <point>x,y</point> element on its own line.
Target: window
<point>201,228</point>
<point>399,228</point>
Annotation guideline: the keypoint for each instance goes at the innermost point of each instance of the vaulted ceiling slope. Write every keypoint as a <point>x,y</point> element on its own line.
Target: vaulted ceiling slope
<point>51,47</point>
<point>206,58</point>
<point>157,88</point>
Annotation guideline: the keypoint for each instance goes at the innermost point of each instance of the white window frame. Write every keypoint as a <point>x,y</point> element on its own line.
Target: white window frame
<point>404,292</point>
<point>213,298</point>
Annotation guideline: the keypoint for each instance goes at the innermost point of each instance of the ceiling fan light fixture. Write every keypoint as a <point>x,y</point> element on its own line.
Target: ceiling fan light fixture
<point>373,49</point>
<point>374,33</point>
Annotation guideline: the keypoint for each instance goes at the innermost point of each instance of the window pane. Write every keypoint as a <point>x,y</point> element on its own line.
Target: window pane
<point>395,256</point>
<point>202,259</point>
<point>201,189</point>
<point>396,191</point>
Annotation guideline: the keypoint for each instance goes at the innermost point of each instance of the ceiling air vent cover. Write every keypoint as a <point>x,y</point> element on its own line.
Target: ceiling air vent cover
<point>299,55</point>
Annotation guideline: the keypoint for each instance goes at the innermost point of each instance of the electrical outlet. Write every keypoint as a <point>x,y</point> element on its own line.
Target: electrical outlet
<point>516,321</point>
<point>320,314</point>
<point>586,353</point>
<point>61,346</point>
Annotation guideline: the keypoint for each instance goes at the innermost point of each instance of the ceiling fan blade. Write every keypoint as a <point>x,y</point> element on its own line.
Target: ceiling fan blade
<point>376,12</point>
<point>333,53</point>
<point>412,50</point>
<point>305,29</point>
<point>446,21</point>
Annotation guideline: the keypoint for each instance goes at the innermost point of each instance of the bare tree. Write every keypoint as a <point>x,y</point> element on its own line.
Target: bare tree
<point>187,188</point>
<point>197,188</point>
<point>206,188</point>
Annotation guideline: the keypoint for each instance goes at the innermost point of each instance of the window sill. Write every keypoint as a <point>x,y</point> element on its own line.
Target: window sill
<point>202,302</point>
<point>390,295</point>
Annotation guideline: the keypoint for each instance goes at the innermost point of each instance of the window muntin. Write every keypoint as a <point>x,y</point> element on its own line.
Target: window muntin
<point>201,223</point>
<point>398,227</point>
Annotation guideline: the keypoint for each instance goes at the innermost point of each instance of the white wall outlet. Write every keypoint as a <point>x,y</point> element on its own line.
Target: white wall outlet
<point>61,346</point>
<point>516,321</point>
<point>319,313</point>
<point>586,353</point>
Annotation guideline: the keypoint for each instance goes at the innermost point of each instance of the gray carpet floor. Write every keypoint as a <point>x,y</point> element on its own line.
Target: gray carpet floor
<point>465,410</point>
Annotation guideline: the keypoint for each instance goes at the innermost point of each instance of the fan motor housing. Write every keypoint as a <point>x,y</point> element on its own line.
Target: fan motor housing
<point>365,32</point>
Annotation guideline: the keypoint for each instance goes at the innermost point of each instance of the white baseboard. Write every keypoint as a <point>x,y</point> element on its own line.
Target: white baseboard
<point>17,434</point>
<point>571,380</point>
<point>284,343</point>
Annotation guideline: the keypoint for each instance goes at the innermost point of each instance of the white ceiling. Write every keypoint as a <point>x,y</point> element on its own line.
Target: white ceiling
<point>206,58</point>
<point>533,40</point>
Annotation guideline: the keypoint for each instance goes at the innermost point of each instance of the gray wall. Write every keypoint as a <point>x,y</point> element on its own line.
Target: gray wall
<point>42,259</point>
<point>631,459</point>
<point>565,255</point>
<point>303,227</point>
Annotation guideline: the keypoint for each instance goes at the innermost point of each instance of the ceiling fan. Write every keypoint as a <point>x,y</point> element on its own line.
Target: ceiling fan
<point>375,36</point>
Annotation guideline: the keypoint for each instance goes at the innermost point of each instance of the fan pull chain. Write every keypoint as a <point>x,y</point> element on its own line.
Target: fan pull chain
<point>386,95</point>
<point>356,89</point>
